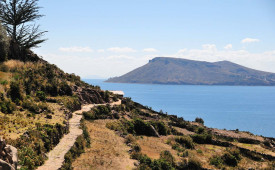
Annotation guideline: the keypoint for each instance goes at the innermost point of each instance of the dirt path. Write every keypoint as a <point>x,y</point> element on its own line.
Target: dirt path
<point>56,156</point>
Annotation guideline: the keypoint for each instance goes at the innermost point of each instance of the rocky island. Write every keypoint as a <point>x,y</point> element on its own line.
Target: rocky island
<point>166,70</point>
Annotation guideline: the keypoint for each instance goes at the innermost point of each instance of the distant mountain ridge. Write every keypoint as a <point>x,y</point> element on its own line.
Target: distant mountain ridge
<point>166,70</point>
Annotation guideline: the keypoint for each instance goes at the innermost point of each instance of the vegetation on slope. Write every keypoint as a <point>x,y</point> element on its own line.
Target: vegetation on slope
<point>161,141</point>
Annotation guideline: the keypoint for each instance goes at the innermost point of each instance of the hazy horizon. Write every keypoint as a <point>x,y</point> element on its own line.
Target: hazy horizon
<point>110,38</point>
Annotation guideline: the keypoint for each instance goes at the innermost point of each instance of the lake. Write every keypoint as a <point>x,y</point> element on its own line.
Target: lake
<point>245,108</point>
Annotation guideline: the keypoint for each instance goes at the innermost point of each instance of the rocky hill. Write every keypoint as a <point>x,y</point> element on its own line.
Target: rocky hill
<point>164,70</point>
<point>36,102</point>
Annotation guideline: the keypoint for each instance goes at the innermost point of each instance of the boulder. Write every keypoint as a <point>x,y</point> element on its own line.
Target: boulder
<point>5,166</point>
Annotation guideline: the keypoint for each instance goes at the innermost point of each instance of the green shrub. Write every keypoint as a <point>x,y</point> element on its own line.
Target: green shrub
<point>7,106</point>
<point>167,156</point>
<point>185,141</point>
<point>199,120</point>
<point>41,95</point>
<point>230,159</point>
<point>99,112</point>
<point>15,91</point>
<point>204,138</point>
<point>194,164</point>
<point>4,43</point>
<point>200,130</point>
<point>216,161</point>
<point>142,128</point>
<point>161,128</point>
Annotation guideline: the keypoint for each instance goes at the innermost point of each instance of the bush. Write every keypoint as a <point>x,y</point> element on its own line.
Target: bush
<point>167,156</point>
<point>185,141</point>
<point>216,161</point>
<point>4,43</point>
<point>15,91</point>
<point>142,128</point>
<point>199,120</point>
<point>7,106</point>
<point>230,159</point>
<point>194,164</point>
<point>100,112</point>
<point>161,128</point>
<point>204,138</point>
<point>41,95</point>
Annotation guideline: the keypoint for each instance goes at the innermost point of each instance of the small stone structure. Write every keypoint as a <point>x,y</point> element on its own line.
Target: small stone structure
<point>119,93</point>
<point>8,156</point>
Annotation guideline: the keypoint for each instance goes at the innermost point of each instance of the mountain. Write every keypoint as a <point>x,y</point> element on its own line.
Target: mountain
<point>165,70</point>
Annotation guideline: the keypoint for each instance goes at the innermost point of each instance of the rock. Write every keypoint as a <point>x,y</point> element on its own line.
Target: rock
<point>154,131</point>
<point>8,156</point>
<point>5,166</point>
<point>88,95</point>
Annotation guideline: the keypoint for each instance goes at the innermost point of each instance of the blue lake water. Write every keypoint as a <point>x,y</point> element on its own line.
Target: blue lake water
<point>225,107</point>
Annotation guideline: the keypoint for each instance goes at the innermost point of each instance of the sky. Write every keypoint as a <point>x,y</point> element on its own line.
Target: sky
<point>108,38</point>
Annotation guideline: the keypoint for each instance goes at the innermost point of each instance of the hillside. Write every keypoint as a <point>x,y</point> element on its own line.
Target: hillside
<point>164,70</point>
<point>37,100</point>
<point>132,136</point>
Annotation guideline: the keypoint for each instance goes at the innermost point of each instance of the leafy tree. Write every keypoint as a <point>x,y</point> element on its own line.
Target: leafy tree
<point>4,43</point>
<point>17,16</point>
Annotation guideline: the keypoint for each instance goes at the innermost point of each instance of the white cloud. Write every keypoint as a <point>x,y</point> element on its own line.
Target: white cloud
<point>182,50</point>
<point>76,49</point>
<point>100,50</point>
<point>106,65</point>
<point>121,50</point>
<point>228,46</point>
<point>150,50</point>
<point>119,57</point>
<point>250,40</point>
<point>209,47</point>
<point>262,61</point>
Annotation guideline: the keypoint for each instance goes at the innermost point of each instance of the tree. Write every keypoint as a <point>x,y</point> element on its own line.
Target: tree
<point>4,43</point>
<point>17,16</point>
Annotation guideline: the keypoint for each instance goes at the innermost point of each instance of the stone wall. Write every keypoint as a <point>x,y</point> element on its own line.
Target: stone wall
<point>8,156</point>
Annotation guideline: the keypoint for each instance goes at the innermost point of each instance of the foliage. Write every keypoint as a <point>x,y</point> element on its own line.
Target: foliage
<point>4,43</point>
<point>16,16</point>
<point>99,112</point>
<point>7,106</point>
<point>161,127</point>
<point>216,161</point>
<point>185,141</point>
<point>74,152</point>
<point>33,145</point>
<point>142,128</point>
<point>230,158</point>
<point>78,147</point>
<point>15,91</point>
<point>41,95</point>
<point>167,156</point>
<point>204,138</point>
<point>199,120</point>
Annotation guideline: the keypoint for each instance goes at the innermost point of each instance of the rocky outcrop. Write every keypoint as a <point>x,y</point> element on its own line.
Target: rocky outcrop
<point>88,95</point>
<point>8,156</point>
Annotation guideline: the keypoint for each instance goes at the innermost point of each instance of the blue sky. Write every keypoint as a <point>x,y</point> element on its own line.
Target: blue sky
<point>108,38</point>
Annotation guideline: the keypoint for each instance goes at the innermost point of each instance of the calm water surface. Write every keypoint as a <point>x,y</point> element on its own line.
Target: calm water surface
<point>230,107</point>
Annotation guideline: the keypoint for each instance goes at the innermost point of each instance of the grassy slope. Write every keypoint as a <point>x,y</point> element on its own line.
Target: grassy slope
<point>147,149</point>
<point>36,99</point>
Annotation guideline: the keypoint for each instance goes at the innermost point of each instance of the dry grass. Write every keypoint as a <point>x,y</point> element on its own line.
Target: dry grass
<point>255,147</point>
<point>14,125</point>
<point>13,64</point>
<point>184,131</point>
<point>153,146</point>
<point>237,135</point>
<point>108,150</point>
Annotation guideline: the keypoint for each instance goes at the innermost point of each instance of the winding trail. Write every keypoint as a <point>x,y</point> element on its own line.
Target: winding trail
<point>56,156</point>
